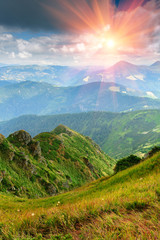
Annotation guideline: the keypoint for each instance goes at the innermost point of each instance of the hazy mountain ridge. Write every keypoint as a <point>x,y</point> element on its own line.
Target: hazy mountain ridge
<point>43,98</point>
<point>139,77</point>
<point>55,75</point>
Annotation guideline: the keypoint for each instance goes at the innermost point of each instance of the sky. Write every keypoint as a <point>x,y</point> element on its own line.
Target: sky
<point>79,33</point>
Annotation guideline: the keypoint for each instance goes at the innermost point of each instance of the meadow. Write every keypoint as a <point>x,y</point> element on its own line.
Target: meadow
<point>123,206</point>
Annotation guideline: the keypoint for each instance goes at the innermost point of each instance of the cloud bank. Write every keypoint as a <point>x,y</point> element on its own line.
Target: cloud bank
<point>76,36</point>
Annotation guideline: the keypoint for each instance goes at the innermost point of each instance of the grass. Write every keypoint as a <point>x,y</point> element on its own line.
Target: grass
<point>124,206</point>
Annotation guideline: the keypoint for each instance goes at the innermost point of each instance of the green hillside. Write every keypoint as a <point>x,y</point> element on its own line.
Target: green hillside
<point>50,163</point>
<point>118,134</point>
<point>124,206</point>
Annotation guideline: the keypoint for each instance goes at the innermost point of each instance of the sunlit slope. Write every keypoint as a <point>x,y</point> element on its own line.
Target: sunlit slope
<point>50,163</point>
<point>125,206</point>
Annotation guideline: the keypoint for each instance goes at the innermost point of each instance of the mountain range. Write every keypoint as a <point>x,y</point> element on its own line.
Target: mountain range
<point>118,134</point>
<point>122,72</point>
<point>42,98</point>
<point>137,77</point>
<point>60,89</point>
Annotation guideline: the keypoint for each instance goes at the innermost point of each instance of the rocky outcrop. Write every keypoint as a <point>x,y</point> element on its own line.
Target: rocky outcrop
<point>65,185</point>
<point>88,164</point>
<point>1,138</point>
<point>22,137</point>
<point>51,189</point>
<point>11,156</point>
<point>24,159</point>
<point>35,148</point>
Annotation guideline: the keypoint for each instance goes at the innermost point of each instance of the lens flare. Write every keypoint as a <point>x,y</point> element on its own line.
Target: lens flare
<point>110,43</point>
<point>128,29</point>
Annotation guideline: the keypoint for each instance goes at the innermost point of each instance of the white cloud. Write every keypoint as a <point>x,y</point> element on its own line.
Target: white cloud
<point>90,48</point>
<point>6,37</point>
<point>22,44</point>
<point>12,55</point>
<point>81,47</point>
<point>24,55</point>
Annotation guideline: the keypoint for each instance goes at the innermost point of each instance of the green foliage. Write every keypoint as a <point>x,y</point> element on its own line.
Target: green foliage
<point>57,166</point>
<point>127,162</point>
<point>154,150</point>
<point>118,134</point>
<point>61,237</point>
<point>137,206</point>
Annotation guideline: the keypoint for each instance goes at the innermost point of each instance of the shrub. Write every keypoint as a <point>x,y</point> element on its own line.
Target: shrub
<point>153,151</point>
<point>127,162</point>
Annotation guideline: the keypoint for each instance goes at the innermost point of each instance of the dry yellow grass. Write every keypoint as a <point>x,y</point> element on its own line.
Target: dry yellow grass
<point>125,206</point>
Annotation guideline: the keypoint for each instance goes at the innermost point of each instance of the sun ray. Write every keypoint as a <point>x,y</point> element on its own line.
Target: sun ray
<point>108,28</point>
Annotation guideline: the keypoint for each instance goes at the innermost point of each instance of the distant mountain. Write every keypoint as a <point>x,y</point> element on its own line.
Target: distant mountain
<point>43,98</point>
<point>50,163</point>
<point>118,134</point>
<point>156,64</point>
<point>136,77</point>
<point>55,75</point>
<point>5,83</point>
<point>142,78</point>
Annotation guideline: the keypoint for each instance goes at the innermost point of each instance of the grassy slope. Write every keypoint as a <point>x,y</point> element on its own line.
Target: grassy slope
<point>135,132</point>
<point>67,160</point>
<point>125,206</point>
<point>117,134</point>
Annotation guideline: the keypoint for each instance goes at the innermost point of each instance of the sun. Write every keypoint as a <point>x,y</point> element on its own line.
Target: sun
<point>110,43</point>
<point>106,42</point>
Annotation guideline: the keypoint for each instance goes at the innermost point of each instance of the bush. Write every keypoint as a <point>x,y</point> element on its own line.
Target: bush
<point>153,151</point>
<point>127,162</point>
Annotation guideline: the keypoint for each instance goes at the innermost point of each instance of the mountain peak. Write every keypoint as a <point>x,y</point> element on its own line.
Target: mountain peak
<point>62,129</point>
<point>123,63</point>
<point>21,137</point>
<point>156,64</point>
